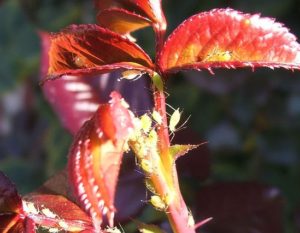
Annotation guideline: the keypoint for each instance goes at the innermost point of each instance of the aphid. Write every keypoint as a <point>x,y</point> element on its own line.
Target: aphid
<point>30,208</point>
<point>139,148</point>
<point>146,166</point>
<point>220,55</point>
<point>226,56</point>
<point>48,213</point>
<point>80,61</point>
<point>174,120</point>
<point>157,117</point>
<point>152,138</point>
<point>144,228</point>
<point>146,123</point>
<point>191,221</point>
<point>150,186</point>
<point>112,230</point>
<point>53,230</point>
<point>131,75</point>
<point>168,198</point>
<point>75,228</point>
<point>158,203</point>
<point>63,225</point>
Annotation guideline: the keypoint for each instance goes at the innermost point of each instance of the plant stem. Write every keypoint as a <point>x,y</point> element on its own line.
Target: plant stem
<point>162,130</point>
<point>177,210</point>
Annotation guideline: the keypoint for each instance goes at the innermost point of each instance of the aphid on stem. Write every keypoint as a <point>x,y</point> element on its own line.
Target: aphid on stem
<point>150,186</point>
<point>152,139</point>
<point>158,203</point>
<point>146,165</point>
<point>157,117</point>
<point>146,123</point>
<point>191,221</point>
<point>174,120</point>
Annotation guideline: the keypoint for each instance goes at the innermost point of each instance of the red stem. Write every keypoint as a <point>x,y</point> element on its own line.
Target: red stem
<point>177,211</point>
<point>163,132</point>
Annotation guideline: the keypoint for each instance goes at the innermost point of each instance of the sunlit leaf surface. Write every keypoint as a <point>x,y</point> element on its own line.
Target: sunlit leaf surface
<point>153,9</point>
<point>95,158</point>
<point>88,49</point>
<point>122,21</point>
<point>228,38</point>
<point>130,183</point>
<point>149,9</point>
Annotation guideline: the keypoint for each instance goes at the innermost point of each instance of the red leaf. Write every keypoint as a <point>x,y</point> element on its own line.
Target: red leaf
<point>153,9</point>
<point>29,225</point>
<point>150,9</point>
<point>130,183</point>
<point>90,49</point>
<point>228,38</point>
<point>95,158</point>
<point>240,207</point>
<point>122,21</point>
<point>54,211</point>
<point>50,211</point>
<point>82,96</point>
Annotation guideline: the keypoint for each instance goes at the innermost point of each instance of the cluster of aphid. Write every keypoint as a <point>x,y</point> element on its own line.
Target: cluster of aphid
<point>42,213</point>
<point>219,55</point>
<point>144,143</point>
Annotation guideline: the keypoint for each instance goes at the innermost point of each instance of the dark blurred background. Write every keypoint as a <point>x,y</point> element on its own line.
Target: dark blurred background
<point>251,120</point>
